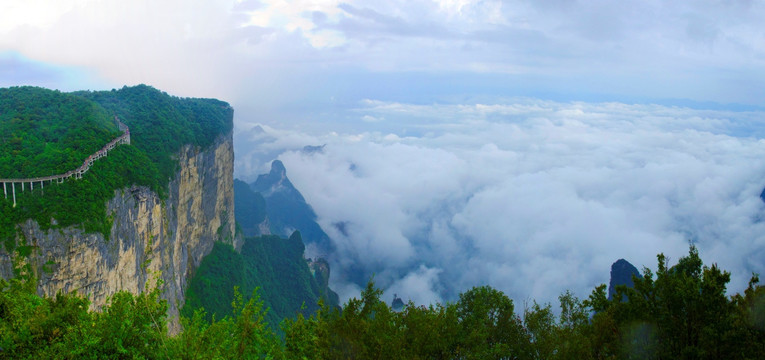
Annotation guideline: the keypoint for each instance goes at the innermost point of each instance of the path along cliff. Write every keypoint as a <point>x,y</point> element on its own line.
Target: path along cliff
<point>151,238</point>
<point>76,173</point>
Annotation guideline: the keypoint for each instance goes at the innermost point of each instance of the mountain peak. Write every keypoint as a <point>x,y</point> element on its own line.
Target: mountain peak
<point>278,169</point>
<point>275,180</point>
<point>287,210</point>
<point>621,274</point>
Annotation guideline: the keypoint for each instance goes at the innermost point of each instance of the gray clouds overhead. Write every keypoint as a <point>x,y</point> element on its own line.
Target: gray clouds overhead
<point>279,60</point>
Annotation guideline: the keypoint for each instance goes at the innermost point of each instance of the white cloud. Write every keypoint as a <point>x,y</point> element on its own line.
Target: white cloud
<point>242,51</point>
<point>370,118</point>
<point>535,197</point>
<point>418,286</point>
<point>294,16</point>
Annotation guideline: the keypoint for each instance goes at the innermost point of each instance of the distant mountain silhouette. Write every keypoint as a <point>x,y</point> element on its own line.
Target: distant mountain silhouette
<point>621,274</point>
<point>397,304</point>
<point>287,209</point>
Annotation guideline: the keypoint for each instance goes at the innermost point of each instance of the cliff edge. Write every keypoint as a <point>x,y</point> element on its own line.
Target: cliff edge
<point>153,238</point>
<point>150,238</point>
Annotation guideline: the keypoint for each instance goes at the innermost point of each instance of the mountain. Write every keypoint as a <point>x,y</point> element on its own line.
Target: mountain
<point>287,209</point>
<point>156,208</point>
<point>621,274</point>
<point>149,210</point>
<point>251,213</point>
<point>274,265</point>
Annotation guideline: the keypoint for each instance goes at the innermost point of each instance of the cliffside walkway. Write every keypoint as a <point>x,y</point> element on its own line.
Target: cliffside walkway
<point>75,174</point>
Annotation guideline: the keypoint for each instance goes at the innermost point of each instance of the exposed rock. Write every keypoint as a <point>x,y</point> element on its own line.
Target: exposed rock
<point>397,304</point>
<point>320,271</point>
<point>150,238</point>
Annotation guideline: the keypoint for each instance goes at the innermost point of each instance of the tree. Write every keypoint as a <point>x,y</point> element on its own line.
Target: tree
<point>489,328</point>
<point>681,313</point>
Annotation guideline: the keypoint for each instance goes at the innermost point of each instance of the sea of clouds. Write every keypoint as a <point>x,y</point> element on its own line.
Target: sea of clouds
<point>531,197</point>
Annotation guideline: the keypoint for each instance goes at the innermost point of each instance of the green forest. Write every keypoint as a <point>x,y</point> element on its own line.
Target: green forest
<point>45,132</point>
<point>274,265</point>
<point>676,312</point>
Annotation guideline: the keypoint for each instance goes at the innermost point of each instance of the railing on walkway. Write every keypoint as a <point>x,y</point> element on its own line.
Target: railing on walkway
<point>76,173</point>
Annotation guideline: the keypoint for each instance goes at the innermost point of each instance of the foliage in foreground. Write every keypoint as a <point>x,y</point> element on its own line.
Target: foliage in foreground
<point>273,264</point>
<point>680,312</point>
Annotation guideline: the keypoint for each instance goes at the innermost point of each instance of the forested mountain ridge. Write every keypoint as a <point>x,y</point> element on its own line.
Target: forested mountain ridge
<point>289,283</point>
<point>151,209</point>
<point>60,130</point>
<point>45,132</point>
<point>161,124</point>
<point>272,205</point>
<point>275,265</point>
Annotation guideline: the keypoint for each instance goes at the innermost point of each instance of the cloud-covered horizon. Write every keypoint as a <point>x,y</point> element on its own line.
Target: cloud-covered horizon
<point>532,197</point>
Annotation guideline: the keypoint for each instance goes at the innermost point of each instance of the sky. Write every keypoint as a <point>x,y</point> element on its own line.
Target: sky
<point>521,144</point>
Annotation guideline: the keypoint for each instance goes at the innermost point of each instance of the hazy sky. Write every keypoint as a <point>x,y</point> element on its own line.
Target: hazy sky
<point>524,144</point>
<point>304,60</point>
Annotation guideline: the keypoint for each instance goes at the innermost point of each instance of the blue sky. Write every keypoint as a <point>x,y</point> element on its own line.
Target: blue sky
<point>524,144</point>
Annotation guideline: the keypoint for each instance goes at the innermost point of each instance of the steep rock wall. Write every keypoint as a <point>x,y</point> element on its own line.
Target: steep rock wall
<point>151,238</point>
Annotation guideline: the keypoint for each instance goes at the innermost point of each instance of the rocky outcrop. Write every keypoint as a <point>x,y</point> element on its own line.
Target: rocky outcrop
<point>151,238</point>
<point>320,270</point>
<point>621,274</point>
<point>288,211</point>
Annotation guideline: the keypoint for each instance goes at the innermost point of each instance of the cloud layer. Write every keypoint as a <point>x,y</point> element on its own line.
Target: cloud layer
<point>532,197</point>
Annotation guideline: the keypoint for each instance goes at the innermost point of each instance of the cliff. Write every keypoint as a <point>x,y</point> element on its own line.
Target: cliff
<point>150,237</point>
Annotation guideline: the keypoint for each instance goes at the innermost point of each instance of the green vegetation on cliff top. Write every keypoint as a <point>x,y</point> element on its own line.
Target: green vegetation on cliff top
<point>45,132</point>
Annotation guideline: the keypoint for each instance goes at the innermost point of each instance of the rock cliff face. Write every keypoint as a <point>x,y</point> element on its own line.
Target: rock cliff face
<point>150,238</point>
